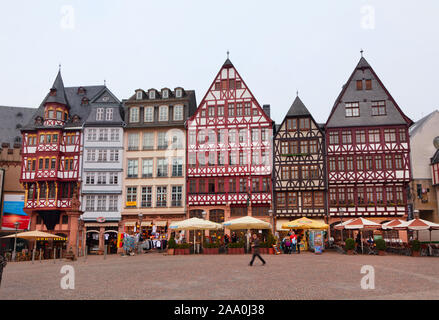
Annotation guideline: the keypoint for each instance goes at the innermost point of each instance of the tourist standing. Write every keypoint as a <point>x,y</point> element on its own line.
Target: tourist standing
<point>2,265</point>
<point>255,246</point>
<point>298,240</point>
<point>234,237</point>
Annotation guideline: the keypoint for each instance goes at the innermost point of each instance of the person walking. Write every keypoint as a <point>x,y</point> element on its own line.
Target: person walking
<point>255,246</point>
<point>2,265</point>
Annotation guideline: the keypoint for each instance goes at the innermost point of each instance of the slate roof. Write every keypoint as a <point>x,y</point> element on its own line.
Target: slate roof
<point>58,89</point>
<point>228,63</point>
<point>298,109</point>
<point>418,124</point>
<point>349,93</point>
<point>11,121</point>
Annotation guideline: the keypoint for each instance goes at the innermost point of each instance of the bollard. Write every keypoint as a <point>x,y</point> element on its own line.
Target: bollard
<point>105,252</point>
<point>33,255</point>
<point>40,255</point>
<point>54,255</point>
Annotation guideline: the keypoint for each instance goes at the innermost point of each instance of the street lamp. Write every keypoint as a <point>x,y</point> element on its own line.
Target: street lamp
<point>14,253</point>
<point>270,213</point>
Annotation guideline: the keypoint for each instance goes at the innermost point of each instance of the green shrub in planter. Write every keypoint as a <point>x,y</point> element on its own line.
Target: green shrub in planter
<point>381,244</point>
<point>184,246</point>
<point>416,245</point>
<point>350,244</point>
<point>236,245</point>
<point>172,244</point>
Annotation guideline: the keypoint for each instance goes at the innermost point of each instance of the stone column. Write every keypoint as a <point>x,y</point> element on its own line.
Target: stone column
<point>73,230</point>
<point>101,239</point>
<point>33,226</point>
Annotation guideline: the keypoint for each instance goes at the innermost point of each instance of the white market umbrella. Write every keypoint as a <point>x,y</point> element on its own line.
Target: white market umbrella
<point>416,225</point>
<point>34,235</point>
<point>248,223</point>
<point>359,224</point>
<point>195,224</point>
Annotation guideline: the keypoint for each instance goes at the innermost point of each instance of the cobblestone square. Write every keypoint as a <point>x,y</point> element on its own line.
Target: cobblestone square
<point>157,276</point>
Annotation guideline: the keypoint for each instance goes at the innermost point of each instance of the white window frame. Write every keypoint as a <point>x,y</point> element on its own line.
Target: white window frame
<point>134,114</point>
<point>165,94</point>
<point>163,113</point>
<point>151,94</point>
<point>109,114</point>
<point>178,93</point>
<point>139,95</point>
<point>99,114</point>
<point>178,112</point>
<point>149,111</point>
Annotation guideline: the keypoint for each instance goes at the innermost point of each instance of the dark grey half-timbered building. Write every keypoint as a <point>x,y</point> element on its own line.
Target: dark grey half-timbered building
<point>299,166</point>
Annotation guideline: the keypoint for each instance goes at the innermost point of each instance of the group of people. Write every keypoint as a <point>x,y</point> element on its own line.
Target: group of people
<point>291,243</point>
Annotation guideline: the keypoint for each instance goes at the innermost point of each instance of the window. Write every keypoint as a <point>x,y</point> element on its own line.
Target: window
<point>389,135</point>
<point>242,135</point>
<point>292,199</point>
<point>369,195</point>
<point>132,168</point>
<point>292,124</point>
<point>332,164</point>
<point>341,196</point>
<point>255,135</point>
<point>389,196</point>
<point>402,135</point>
<point>284,147</point>
<point>398,162</point>
<point>103,134</point>
<point>304,124</point>
<point>350,195</point>
<point>307,199</point>
<point>264,136</point>
<point>149,114</point>
<point>388,161</point>
<point>239,109</point>
<point>352,109</point>
<point>294,148</point>
<point>281,199</point>
<point>378,108</point>
<point>91,155</point>
<point>359,84</point>
<point>148,140</point>
<point>378,163</point>
<point>53,163</point>
<point>304,147</point>
<point>177,196</point>
<point>247,108</point>
<point>232,136</point>
<point>179,93</point>
<point>313,146</point>
<point>109,114</point>
<point>163,113</point>
<point>131,200</point>
<point>147,168</point>
<point>260,211</point>
<point>349,164</point>
<point>231,108</point>
<point>369,84</point>
<point>102,203</point>
<point>333,197</point>
<point>100,114</point>
<point>369,163</point>
<point>178,113</point>
<point>285,173</point>
<point>360,195</point>
<point>318,199</point>
<point>162,141</point>
<point>177,167</point>
<point>346,137</point>
<point>151,94</point>
<point>238,211</point>
<point>91,134</point>
<point>242,185</point>
<point>360,137</point>
<point>165,94</point>
<point>333,138</point>
<point>114,177</point>
<point>112,203</point>
<point>161,197</point>
<point>146,201</point>
<point>114,155</point>
<point>162,167</point>
<point>340,164</point>
<point>139,95</point>
<point>379,195</point>
<point>232,84</point>
<point>46,163</point>
<point>374,136</point>
<point>134,114</point>
<point>294,173</point>
<point>220,111</point>
<point>90,203</point>
<point>360,163</point>
<point>211,111</point>
<point>102,155</point>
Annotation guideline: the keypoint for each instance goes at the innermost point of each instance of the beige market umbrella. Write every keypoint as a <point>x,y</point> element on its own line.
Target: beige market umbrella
<point>195,224</point>
<point>359,224</point>
<point>34,235</point>
<point>248,223</point>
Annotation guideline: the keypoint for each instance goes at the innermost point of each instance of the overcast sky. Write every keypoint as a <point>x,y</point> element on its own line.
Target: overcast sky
<point>278,47</point>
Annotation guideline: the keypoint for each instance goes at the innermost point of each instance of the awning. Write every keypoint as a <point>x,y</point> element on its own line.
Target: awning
<point>160,223</point>
<point>130,224</point>
<point>104,224</point>
<point>279,224</point>
<point>146,223</point>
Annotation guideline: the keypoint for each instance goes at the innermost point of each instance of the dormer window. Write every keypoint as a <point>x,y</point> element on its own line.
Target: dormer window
<point>100,114</point>
<point>179,93</point>
<point>81,91</point>
<point>165,94</point>
<point>59,115</point>
<point>84,101</point>
<point>152,94</point>
<point>38,121</point>
<point>52,92</point>
<point>75,118</point>
<point>109,114</point>
<point>139,95</point>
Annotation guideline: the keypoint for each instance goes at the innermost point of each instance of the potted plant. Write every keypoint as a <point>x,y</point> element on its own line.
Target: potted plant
<point>263,248</point>
<point>381,247</point>
<point>271,241</point>
<point>416,247</point>
<point>350,246</point>
<point>171,246</point>
<point>211,248</point>
<point>236,248</point>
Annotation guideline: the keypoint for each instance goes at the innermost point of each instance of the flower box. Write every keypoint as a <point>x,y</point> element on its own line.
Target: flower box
<point>210,250</point>
<point>235,251</point>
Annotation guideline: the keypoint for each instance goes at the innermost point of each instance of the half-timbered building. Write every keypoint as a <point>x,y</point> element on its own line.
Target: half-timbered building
<point>52,158</point>
<point>368,147</point>
<point>229,152</point>
<point>299,167</point>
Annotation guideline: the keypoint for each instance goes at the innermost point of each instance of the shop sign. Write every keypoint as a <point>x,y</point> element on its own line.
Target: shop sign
<point>131,204</point>
<point>100,219</point>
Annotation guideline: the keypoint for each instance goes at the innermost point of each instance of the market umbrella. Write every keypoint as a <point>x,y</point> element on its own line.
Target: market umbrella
<point>393,223</point>
<point>195,224</point>
<point>34,235</point>
<point>305,223</point>
<point>416,225</point>
<point>248,223</point>
<point>359,224</point>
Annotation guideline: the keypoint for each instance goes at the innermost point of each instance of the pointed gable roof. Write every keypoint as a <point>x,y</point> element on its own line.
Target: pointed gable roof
<point>349,93</point>
<point>57,92</point>
<point>298,109</point>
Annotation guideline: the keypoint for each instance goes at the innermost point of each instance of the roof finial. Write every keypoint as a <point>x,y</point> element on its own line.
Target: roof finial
<point>228,54</point>
<point>105,82</point>
<point>297,92</point>
<point>59,66</point>
<point>361,51</point>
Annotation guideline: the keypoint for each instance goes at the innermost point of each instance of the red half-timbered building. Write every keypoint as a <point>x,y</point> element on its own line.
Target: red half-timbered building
<point>368,146</point>
<point>229,157</point>
<point>51,159</point>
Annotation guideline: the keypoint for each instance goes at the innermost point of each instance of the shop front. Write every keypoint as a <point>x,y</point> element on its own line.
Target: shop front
<point>100,237</point>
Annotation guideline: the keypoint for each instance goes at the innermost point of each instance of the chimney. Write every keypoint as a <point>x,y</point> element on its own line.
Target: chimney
<point>266,108</point>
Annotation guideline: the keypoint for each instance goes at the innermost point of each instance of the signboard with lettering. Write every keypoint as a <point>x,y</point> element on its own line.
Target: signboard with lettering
<point>13,205</point>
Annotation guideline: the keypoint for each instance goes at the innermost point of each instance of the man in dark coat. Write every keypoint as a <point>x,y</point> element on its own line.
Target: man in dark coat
<point>2,265</point>
<point>255,246</point>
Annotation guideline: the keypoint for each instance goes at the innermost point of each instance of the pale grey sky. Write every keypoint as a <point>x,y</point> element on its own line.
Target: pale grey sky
<point>278,47</point>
